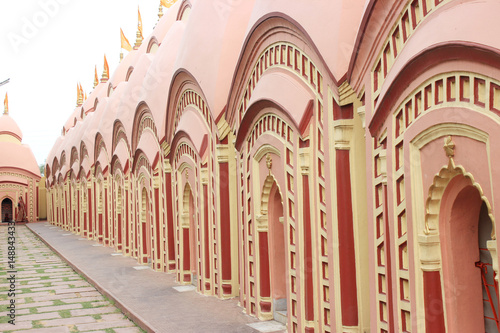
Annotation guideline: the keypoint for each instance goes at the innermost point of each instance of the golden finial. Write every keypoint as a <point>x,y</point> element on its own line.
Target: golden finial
<point>6,105</point>
<point>79,95</point>
<point>269,162</point>
<point>96,77</point>
<point>160,11</point>
<point>139,38</point>
<point>105,73</point>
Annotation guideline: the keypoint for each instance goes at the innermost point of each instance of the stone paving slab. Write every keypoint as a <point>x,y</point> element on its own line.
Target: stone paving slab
<point>47,290</point>
<point>154,305</point>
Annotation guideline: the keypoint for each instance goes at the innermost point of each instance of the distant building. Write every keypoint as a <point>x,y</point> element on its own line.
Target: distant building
<point>332,164</point>
<point>19,174</point>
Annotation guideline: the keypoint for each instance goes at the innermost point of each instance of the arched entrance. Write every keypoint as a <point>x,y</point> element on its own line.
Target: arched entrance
<point>485,264</point>
<point>145,227</point>
<point>189,237</point>
<point>470,293</point>
<point>7,210</point>
<point>272,257</point>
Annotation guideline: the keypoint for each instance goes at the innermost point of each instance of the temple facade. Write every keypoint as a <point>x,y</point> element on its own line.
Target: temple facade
<point>329,164</point>
<point>19,174</point>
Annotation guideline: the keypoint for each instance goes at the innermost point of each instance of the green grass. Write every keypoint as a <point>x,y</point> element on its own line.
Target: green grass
<point>64,313</point>
<point>37,324</point>
<point>58,302</point>
<point>33,310</point>
<point>87,305</point>
<point>29,300</point>
<point>96,316</point>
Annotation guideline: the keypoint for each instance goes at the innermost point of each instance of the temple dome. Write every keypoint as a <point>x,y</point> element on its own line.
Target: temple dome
<point>9,129</point>
<point>14,153</point>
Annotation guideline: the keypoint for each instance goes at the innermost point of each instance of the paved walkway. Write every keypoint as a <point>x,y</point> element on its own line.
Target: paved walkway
<point>49,296</point>
<point>149,298</point>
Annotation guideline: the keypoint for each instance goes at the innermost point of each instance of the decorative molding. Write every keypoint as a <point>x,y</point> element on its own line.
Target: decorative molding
<point>261,223</point>
<point>204,176</point>
<point>343,133</point>
<point>264,150</point>
<point>223,128</point>
<point>269,163</point>
<point>287,56</point>
<point>193,98</point>
<point>222,153</point>
<point>430,252</point>
<point>408,22</point>
<point>304,159</point>
<point>362,115</point>
<point>492,247</point>
<point>346,94</point>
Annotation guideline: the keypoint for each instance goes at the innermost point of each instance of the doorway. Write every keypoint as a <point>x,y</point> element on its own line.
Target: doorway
<point>6,210</point>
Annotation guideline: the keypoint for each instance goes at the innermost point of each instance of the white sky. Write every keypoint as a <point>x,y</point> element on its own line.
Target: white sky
<point>48,46</point>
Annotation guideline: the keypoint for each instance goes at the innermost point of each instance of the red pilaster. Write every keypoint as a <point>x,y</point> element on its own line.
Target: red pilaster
<point>265,281</point>
<point>90,218</point>
<point>434,314</point>
<point>158,234</point>
<point>106,219</point>
<point>127,224</point>
<point>36,201</point>
<point>348,289</point>
<point>186,253</point>
<point>388,247</point>
<point>225,225</point>
<point>78,211</point>
<point>308,260</point>
<point>207,237</point>
<point>170,221</point>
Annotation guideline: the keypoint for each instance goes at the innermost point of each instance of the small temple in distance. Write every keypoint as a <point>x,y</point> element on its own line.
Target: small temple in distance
<point>20,198</point>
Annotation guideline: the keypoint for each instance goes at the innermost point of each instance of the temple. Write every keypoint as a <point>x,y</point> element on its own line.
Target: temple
<point>20,177</point>
<point>330,164</point>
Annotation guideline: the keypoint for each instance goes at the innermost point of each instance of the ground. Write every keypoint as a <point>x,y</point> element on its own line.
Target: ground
<point>49,295</point>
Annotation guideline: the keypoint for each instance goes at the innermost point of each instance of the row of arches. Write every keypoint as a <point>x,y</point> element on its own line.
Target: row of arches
<point>325,203</point>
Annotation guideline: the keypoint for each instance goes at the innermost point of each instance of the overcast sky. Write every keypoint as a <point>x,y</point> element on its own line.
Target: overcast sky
<point>48,46</point>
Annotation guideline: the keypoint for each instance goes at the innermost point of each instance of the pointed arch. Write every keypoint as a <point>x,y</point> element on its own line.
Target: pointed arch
<point>184,10</point>
<point>119,134</point>
<point>99,146</point>
<point>436,191</point>
<point>295,53</point>
<point>143,120</point>
<point>185,91</point>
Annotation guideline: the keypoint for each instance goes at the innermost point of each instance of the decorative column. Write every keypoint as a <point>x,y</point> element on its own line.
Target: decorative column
<point>265,302</point>
<point>206,232</point>
<point>170,256</point>
<point>308,248</point>
<point>347,254</point>
<point>225,218</point>
<point>128,231</point>
<point>158,223</point>
<point>106,224</point>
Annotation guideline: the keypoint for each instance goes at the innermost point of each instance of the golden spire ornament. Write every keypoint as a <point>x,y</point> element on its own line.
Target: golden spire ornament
<point>105,73</point>
<point>96,77</point>
<point>160,11</point>
<point>138,40</point>
<point>79,94</point>
<point>6,105</point>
